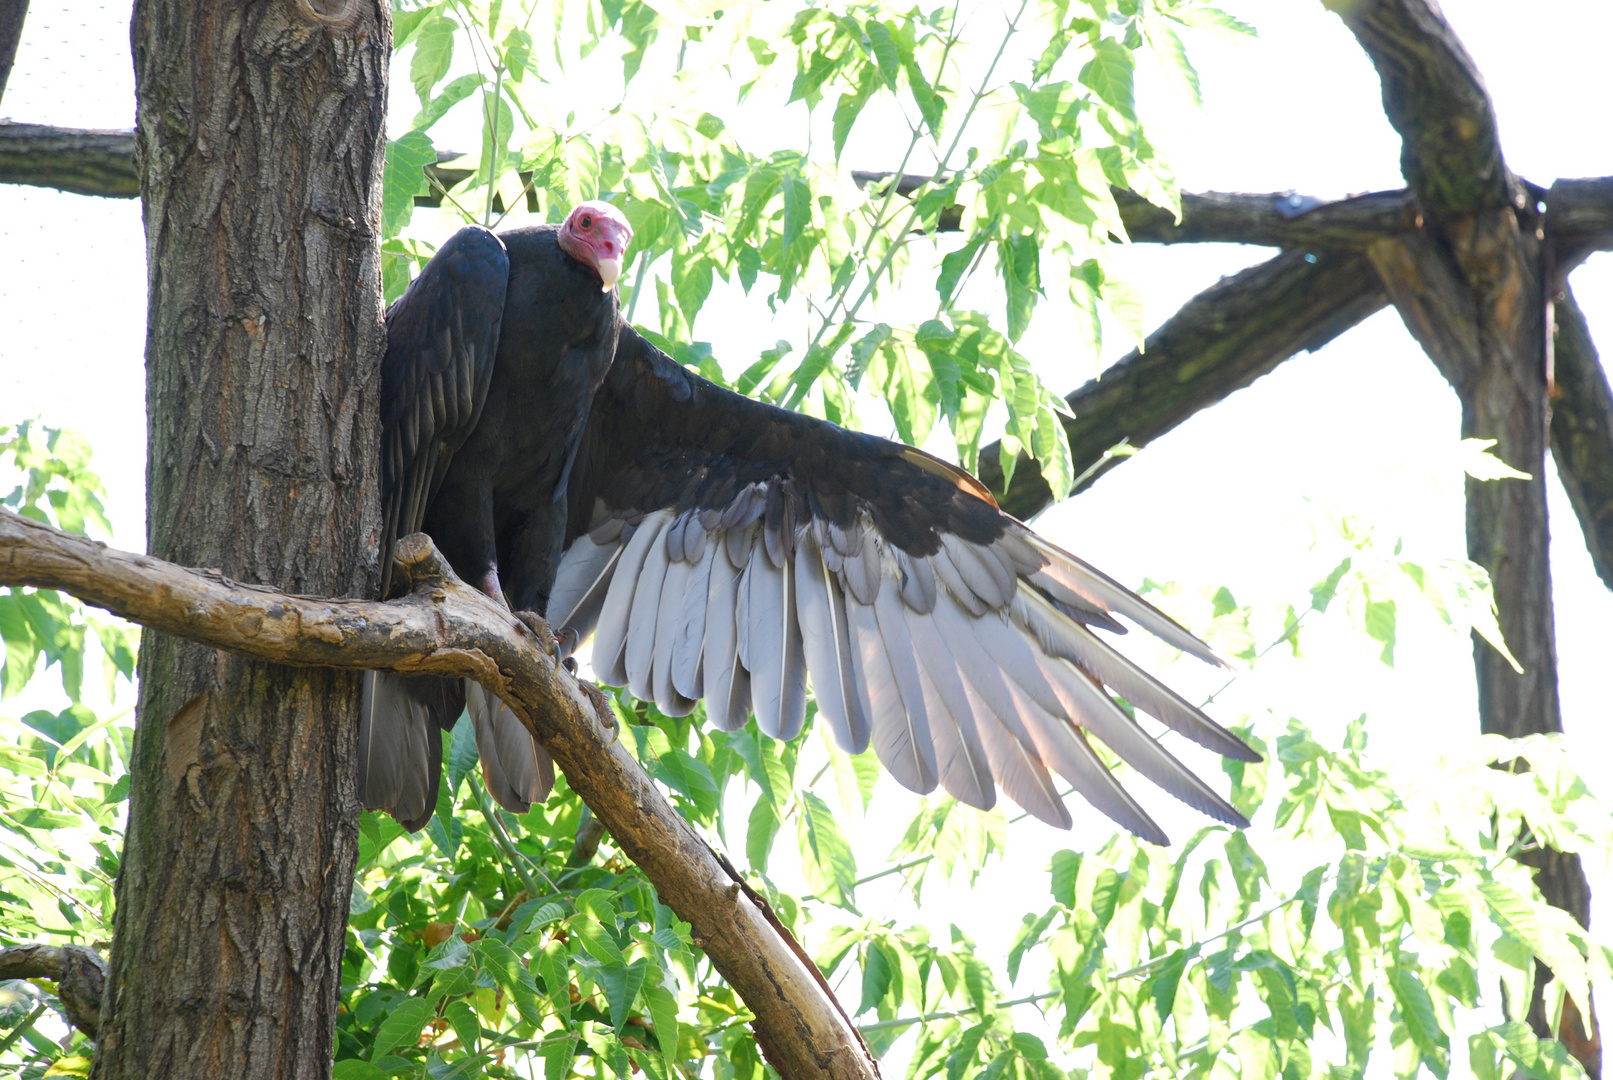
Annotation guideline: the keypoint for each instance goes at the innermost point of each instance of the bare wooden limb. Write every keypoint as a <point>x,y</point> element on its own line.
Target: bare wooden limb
<point>78,972</point>
<point>1435,97</point>
<point>443,627</point>
<point>83,161</point>
<point>1438,309</point>
<point>1220,341</point>
<point>1579,218</point>
<point>1486,229</point>
<point>12,15</point>
<point>1582,432</point>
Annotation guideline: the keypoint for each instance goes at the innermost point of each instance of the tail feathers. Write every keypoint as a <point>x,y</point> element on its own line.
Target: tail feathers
<point>518,772</point>
<point>399,745</point>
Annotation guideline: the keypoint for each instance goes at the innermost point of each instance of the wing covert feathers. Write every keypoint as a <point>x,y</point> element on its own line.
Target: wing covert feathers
<point>727,550</point>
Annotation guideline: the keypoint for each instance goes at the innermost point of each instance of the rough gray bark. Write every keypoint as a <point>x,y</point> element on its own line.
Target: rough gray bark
<point>260,145</point>
<point>444,627</point>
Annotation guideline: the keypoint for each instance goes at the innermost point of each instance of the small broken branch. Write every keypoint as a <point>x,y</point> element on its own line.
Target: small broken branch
<point>444,627</point>
<point>78,972</point>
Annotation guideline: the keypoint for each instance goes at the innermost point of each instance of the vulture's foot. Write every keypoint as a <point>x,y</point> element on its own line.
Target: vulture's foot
<point>602,708</point>
<point>541,630</point>
<point>566,640</point>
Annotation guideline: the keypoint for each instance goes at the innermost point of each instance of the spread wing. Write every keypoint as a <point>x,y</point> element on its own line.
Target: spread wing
<point>442,335</point>
<point>724,549</point>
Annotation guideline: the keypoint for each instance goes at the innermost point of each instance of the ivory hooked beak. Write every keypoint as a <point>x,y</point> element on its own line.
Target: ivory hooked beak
<point>609,271</point>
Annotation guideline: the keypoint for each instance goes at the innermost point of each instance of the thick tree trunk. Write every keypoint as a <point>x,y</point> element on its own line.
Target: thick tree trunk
<point>260,144</point>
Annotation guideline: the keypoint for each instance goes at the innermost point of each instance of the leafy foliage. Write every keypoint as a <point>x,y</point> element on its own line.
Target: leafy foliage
<point>1358,917</point>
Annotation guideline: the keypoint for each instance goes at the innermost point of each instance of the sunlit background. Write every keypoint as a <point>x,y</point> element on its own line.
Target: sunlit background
<point>1248,495</point>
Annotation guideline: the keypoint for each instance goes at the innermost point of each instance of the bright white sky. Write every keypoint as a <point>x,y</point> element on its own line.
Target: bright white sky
<point>1366,426</point>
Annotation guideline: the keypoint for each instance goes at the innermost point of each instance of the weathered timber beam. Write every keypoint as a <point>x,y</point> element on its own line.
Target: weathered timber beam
<point>83,161</point>
<point>1435,98</point>
<point>1579,218</point>
<point>1220,341</point>
<point>12,15</point>
<point>78,972</point>
<point>444,627</point>
<point>91,162</point>
<point>1582,431</point>
<point>1282,219</point>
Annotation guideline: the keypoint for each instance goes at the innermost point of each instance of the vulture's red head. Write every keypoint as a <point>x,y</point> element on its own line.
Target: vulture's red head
<point>596,235</point>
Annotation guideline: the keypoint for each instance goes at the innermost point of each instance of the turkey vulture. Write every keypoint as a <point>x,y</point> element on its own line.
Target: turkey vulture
<point>720,548</point>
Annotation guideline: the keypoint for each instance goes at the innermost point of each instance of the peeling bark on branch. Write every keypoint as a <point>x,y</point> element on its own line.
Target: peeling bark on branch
<point>78,972</point>
<point>1219,342</point>
<point>444,627</point>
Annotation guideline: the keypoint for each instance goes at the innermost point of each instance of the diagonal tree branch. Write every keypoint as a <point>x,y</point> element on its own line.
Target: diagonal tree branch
<point>1220,341</point>
<point>1435,98</point>
<point>1582,431</point>
<point>444,627</point>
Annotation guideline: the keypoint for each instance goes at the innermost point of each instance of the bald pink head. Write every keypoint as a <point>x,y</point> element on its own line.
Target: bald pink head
<point>596,235</point>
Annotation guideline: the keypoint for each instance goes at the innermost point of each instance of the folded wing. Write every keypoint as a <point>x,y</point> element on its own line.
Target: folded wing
<point>722,548</point>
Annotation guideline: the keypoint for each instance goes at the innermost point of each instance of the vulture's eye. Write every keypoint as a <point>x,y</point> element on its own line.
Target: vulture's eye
<point>587,221</point>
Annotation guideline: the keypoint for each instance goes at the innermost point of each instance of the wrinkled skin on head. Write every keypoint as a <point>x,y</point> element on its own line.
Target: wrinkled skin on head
<point>596,235</point>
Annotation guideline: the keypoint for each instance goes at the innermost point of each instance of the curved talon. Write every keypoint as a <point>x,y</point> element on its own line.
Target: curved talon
<point>570,664</point>
<point>541,630</point>
<point>566,640</point>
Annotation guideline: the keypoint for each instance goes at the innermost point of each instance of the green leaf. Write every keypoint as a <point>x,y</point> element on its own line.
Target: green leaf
<point>886,54</point>
<point>406,161</point>
<point>433,55</point>
<point>1110,75</point>
<point>402,1027</point>
<point>1161,985</point>
<point>664,1018</point>
<point>826,857</point>
<point>760,830</point>
<point>1066,866</point>
<point>877,972</point>
<point>621,984</point>
<point>356,1069</point>
<point>462,754</point>
<point>850,107</point>
<point>1380,626</point>
<point>1020,260</point>
<point>452,94</point>
<point>689,777</point>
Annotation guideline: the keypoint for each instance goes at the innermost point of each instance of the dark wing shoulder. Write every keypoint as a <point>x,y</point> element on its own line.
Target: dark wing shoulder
<point>442,336</point>
<point>724,549</point>
<point>659,436</point>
